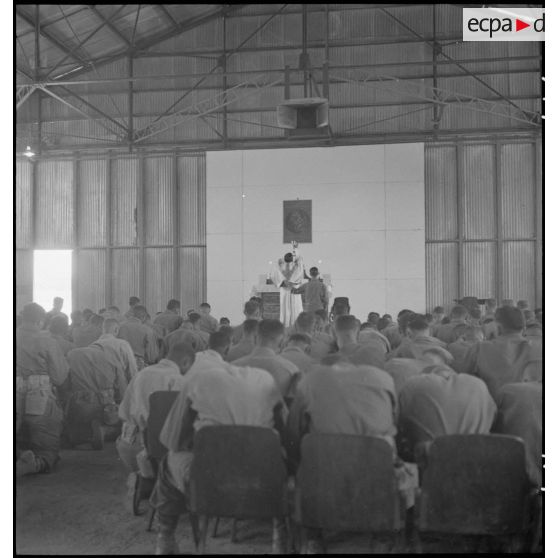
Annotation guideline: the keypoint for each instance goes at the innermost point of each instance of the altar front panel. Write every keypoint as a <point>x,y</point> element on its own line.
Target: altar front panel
<point>271,307</point>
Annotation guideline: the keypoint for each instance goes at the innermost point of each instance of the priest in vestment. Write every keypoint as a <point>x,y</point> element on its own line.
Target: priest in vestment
<point>288,275</point>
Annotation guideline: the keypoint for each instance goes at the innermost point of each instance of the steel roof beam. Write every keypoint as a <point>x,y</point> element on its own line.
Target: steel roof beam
<point>110,25</point>
<point>94,32</point>
<point>77,109</point>
<point>334,67</point>
<point>51,37</point>
<point>311,45</point>
<point>434,46</point>
<point>204,107</point>
<point>71,11</point>
<point>166,14</point>
<point>26,74</point>
<point>152,41</point>
<point>443,97</point>
<point>197,146</point>
<point>23,93</point>
<point>272,109</point>
<point>92,107</point>
<point>219,65</point>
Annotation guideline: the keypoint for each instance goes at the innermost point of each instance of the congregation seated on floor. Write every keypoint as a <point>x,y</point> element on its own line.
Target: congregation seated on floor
<point>409,382</point>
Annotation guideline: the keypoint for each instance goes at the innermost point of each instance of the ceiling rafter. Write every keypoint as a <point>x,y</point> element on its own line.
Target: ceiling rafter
<point>50,92</point>
<point>49,35</point>
<point>166,14</point>
<point>50,22</point>
<point>152,41</point>
<point>440,52</point>
<point>110,25</point>
<point>82,42</point>
<point>92,107</point>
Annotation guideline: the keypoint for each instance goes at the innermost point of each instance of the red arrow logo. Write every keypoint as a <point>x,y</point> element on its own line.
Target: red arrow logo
<point>519,25</point>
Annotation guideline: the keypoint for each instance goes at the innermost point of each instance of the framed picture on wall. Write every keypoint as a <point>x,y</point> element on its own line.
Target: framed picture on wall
<point>297,221</point>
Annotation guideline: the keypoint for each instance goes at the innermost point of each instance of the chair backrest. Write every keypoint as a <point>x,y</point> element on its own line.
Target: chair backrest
<point>474,484</point>
<point>347,483</point>
<point>238,471</point>
<point>160,403</point>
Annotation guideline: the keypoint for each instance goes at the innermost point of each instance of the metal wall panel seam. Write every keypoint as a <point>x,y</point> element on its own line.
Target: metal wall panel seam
<point>459,169</point>
<point>517,191</point>
<point>75,253</point>
<point>176,227</point>
<point>169,246</point>
<point>34,200</point>
<point>108,233</point>
<point>158,201</point>
<point>476,240</point>
<point>441,192</point>
<point>124,189</point>
<point>498,215</point>
<point>24,204</point>
<point>140,223</point>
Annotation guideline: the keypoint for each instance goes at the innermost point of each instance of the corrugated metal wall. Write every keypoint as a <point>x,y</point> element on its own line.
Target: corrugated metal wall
<point>124,180</point>
<point>125,275</point>
<point>136,225</point>
<point>483,224</point>
<point>24,205</point>
<point>92,203</point>
<point>54,215</point>
<point>483,221</point>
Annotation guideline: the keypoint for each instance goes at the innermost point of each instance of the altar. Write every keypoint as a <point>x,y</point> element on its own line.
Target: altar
<point>269,294</point>
<point>271,298</point>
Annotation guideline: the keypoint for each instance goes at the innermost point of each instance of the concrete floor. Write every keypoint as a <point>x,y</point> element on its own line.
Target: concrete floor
<point>83,508</point>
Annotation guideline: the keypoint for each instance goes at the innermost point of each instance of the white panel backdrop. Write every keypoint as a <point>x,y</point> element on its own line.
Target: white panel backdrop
<point>367,220</point>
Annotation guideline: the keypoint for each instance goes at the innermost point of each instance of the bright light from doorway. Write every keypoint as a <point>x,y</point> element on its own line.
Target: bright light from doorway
<point>52,276</point>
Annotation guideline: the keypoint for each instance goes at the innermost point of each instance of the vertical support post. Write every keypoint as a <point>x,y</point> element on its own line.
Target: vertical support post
<point>39,96</point>
<point>325,68</point>
<point>326,38</point>
<point>498,219</point>
<point>201,163</point>
<point>34,203</point>
<point>435,107</point>
<point>287,82</point>
<point>37,45</point>
<point>140,225</point>
<point>37,79</point>
<point>34,173</point>
<point>459,166</point>
<point>176,228</point>
<point>108,234</point>
<point>304,48</point>
<point>130,103</point>
<point>75,231</point>
<point>224,69</point>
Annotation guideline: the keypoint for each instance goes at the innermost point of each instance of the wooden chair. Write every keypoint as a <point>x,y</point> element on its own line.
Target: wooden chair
<point>475,484</point>
<point>237,472</point>
<point>160,403</point>
<point>347,483</point>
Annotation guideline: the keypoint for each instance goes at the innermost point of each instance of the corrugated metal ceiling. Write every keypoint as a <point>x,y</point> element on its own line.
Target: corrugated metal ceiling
<point>81,31</point>
<point>178,47</point>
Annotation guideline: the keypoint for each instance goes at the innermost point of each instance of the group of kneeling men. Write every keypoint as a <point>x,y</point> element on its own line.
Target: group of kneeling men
<point>339,377</point>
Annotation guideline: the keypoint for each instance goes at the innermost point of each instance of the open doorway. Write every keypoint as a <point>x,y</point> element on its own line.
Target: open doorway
<point>52,276</point>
